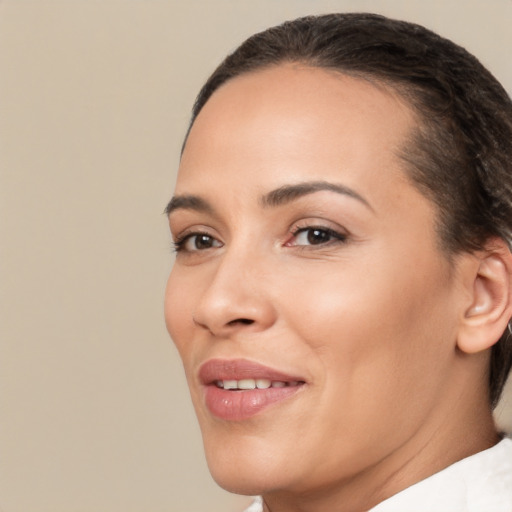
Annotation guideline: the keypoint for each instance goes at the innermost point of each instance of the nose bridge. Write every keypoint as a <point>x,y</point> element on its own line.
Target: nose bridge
<point>237,295</point>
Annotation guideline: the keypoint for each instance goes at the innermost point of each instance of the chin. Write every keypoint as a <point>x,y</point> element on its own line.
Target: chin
<point>239,482</point>
<point>243,466</point>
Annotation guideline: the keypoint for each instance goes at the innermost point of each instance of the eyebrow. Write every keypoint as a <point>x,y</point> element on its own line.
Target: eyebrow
<point>288,193</point>
<point>188,202</point>
<point>278,197</point>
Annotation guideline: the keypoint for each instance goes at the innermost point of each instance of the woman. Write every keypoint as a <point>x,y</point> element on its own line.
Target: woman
<point>342,287</point>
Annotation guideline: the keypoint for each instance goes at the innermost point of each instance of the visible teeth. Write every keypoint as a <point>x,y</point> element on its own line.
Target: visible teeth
<point>263,383</point>
<point>230,384</point>
<point>254,384</point>
<point>246,384</point>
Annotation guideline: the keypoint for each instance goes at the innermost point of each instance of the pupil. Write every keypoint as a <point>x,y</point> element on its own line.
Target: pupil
<point>317,236</point>
<point>203,242</point>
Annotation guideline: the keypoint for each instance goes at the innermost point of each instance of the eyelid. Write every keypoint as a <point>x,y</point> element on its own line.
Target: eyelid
<point>338,233</point>
<point>318,223</point>
<point>192,229</point>
<point>185,235</point>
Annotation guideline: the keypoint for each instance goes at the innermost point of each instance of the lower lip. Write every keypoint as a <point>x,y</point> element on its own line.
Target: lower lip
<point>242,405</point>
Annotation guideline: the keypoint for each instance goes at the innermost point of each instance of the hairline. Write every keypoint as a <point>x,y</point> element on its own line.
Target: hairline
<point>402,91</point>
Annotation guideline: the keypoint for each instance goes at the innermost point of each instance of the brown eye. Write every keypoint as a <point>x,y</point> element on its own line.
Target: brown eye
<point>202,242</point>
<point>197,242</point>
<point>317,236</point>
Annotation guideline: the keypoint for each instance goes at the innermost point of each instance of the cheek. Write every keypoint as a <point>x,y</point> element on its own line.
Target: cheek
<point>380,338</point>
<point>378,318</point>
<point>178,306</point>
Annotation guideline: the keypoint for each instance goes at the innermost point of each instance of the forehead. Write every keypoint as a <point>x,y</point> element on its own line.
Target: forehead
<point>296,121</point>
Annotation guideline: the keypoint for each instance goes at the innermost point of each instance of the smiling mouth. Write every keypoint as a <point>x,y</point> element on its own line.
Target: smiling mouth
<point>236,390</point>
<point>248,384</point>
<point>244,374</point>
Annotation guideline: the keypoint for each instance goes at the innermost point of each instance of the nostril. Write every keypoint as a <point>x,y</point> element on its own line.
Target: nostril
<point>243,321</point>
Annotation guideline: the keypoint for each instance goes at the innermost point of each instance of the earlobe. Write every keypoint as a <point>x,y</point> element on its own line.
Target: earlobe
<point>490,310</point>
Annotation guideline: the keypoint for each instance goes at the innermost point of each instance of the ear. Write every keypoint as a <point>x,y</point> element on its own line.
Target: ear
<point>487,317</point>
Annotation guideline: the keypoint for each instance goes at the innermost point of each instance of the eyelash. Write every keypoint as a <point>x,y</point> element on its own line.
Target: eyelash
<point>179,243</point>
<point>335,237</point>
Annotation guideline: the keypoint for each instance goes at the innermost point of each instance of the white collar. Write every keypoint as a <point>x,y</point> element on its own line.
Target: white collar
<point>479,483</point>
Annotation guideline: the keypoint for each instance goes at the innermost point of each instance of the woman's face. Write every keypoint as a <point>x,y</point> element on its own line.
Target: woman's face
<point>309,263</point>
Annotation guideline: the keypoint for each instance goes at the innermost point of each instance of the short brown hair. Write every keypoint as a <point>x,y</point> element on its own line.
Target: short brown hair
<point>461,152</point>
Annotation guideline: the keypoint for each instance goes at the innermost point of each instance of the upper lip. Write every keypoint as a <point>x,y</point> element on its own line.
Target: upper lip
<point>238,369</point>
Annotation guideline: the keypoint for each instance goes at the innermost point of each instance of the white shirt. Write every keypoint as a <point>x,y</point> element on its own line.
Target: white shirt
<point>480,483</point>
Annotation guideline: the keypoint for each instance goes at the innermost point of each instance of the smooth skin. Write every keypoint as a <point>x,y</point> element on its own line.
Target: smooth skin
<point>343,283</point>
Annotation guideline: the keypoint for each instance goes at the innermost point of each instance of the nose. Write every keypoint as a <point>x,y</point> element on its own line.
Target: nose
<point>237,298</point>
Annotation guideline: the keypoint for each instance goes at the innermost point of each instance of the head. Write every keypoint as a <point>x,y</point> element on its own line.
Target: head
<point>342,211</point>
<point>460,154</point>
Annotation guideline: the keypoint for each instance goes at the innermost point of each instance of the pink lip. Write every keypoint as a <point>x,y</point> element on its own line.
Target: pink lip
<point>240,405</point>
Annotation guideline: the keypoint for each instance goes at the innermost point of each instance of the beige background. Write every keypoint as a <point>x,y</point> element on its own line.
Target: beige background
<point>94,102</point>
